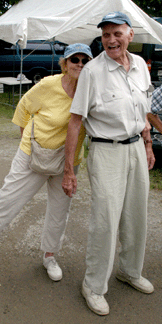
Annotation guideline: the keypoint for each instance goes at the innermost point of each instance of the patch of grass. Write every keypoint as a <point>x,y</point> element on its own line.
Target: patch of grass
<point>156,179</point>
<point>6,108</point>
<point>86,146</point>
<point>6,101</point>
<point>85,150</point>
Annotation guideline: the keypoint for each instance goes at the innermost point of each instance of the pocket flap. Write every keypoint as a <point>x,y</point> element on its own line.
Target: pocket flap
<point>112,95</point>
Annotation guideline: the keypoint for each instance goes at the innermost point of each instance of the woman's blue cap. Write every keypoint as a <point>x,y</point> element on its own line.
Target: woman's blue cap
<point>77,48</point>
<point>115,17</point>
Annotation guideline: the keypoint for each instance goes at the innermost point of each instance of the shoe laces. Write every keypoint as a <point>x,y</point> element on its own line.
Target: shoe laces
<point>96,295</point>
<point>51,261</point>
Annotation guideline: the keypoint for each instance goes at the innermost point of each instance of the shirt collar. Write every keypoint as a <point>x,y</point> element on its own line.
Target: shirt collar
<point>113,65</point>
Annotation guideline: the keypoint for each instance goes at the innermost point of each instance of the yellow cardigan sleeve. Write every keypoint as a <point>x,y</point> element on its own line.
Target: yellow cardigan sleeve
<point>29,104</point>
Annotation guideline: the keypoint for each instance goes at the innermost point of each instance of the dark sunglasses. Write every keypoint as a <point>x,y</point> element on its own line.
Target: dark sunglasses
<point>76,60</point>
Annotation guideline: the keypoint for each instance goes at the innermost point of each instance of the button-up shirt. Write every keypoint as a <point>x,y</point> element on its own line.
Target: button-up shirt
<point>156,104</point>
<point>112,101</point>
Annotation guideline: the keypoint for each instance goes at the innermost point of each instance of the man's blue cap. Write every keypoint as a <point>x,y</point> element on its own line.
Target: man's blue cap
<point>77,48</point>
<point>115,17</point>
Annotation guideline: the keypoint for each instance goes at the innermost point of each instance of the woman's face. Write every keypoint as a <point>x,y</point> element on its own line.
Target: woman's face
<point>74,65</point>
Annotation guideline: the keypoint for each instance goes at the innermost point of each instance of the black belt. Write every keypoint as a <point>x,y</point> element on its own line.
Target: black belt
<point>105,140</point>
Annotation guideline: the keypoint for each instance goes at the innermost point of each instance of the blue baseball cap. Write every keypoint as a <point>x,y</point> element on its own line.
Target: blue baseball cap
<point>115,17</point>
<point>77,48</point>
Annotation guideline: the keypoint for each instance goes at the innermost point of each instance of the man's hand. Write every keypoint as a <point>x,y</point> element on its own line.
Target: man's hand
<point>69,184</point>
<point>148,145</point>
<point>150,155</point>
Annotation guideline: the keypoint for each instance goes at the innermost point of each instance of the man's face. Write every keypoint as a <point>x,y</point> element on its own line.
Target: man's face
<point>115,40</point>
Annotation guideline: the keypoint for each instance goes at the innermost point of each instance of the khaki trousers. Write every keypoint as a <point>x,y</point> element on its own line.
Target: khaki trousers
<point>120,185</point>
<point>20,185</point>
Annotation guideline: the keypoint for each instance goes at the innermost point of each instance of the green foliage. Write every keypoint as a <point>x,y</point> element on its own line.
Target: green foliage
<point>152,7</point>
<point>5,5</point>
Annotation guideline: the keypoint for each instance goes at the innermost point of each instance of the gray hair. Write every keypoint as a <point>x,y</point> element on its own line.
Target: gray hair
<point>62,63</point>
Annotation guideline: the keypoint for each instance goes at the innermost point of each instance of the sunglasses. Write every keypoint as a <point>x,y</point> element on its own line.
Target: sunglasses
<point>76,60</point>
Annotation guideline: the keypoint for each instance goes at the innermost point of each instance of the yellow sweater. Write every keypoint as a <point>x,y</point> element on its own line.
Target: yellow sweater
<point>49,105</point>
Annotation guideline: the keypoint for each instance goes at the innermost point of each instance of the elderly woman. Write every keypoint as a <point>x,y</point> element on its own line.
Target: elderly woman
<point>48,104</point>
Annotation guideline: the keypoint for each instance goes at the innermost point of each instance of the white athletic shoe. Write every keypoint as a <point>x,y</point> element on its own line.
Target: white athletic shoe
<point>53,269</point>
<point>97,303</point>
<point>140,284</point>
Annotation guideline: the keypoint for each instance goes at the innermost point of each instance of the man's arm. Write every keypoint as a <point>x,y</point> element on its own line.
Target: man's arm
<point>148,145</point>
<point>155,121</point>
<point>69,183</point>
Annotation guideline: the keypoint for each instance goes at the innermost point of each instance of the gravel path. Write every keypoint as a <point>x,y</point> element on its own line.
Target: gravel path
<point>29,296</point>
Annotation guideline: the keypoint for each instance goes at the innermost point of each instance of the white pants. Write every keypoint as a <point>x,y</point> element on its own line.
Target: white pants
<point>120,185</point>
<point>20,185</point>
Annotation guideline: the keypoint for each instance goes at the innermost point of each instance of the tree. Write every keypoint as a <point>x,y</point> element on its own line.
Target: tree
<point>152,7</point>
<point>5,5</point>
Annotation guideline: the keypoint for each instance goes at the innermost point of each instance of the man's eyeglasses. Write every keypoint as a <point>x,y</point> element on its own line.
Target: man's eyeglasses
<point>76,60</point>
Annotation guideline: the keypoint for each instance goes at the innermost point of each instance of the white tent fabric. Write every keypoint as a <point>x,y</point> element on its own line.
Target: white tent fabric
<point>72,21</point>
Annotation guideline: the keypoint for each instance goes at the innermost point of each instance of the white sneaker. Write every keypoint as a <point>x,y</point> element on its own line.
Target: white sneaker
<point>97,303</point>
<point>140,284</point>
<point>53,269</point>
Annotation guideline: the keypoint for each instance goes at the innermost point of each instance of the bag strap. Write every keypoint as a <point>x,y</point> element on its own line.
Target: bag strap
<point>32,130</point>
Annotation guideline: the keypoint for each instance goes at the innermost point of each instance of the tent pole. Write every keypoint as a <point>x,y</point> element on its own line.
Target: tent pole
<point>53,54</point>
<point>21,67</point>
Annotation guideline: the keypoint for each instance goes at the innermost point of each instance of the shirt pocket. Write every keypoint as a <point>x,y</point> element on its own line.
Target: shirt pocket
<point>112,102</point>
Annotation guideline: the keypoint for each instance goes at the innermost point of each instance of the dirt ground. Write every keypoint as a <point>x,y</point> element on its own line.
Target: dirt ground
<point>27,295</point>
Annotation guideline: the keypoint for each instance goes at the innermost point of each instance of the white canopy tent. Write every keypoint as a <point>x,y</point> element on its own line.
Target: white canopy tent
<point>72,21</point>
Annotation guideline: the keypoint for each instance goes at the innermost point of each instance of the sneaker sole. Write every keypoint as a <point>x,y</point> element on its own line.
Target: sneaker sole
<point>91,308</point>
<point>132,285</point>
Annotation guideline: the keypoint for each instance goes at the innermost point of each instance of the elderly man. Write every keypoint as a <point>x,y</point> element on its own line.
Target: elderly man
<point>113,99</point>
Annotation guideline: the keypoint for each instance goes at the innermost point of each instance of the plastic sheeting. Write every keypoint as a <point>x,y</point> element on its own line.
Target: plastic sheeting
<point>71,21</point>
